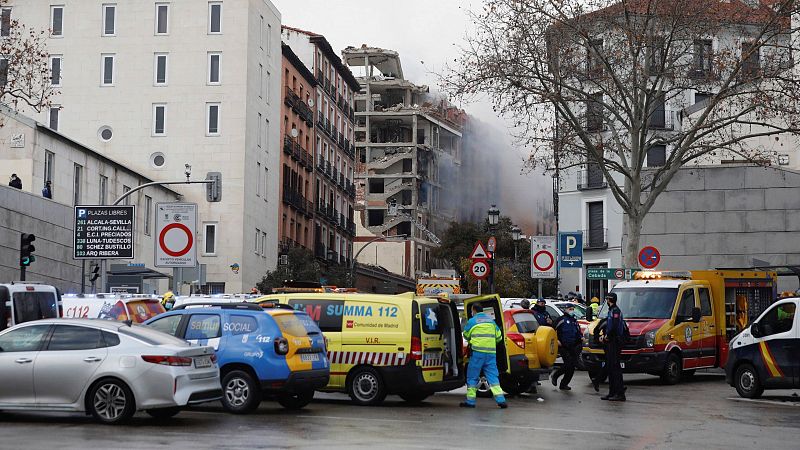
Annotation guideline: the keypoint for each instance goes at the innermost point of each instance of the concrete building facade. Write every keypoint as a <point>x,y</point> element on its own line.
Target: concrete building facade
<point>160,84</point>
<point>79,175</point>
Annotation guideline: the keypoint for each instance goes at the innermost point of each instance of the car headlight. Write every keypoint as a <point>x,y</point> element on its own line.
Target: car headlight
<point>650,338</point>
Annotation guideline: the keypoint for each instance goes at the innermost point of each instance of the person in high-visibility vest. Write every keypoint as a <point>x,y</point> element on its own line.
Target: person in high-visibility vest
<point>168,300</point>
<point>483,334</point>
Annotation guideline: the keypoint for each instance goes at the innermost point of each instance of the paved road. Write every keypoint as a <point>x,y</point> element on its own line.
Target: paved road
<point>704,413</point>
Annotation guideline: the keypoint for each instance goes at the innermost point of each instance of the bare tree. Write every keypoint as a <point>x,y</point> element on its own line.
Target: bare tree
<point>25,75</point>
<point>634,90</point>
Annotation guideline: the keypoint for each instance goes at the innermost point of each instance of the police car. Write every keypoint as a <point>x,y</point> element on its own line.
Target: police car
<point>263,351</point>
<point>766,355</point>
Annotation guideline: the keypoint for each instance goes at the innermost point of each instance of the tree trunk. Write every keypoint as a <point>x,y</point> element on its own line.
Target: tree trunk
<point>630,251</point>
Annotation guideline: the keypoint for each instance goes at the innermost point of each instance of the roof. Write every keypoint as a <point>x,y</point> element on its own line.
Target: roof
<point>650,284</point>
<point>95,323</point>
<point>326,48</point>
<point>290,56</point>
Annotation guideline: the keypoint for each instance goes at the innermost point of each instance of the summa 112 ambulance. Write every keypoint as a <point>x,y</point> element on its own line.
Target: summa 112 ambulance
<point>766,355</point>
<point>386,344</point>
<point>681,321</point>
<point>121,307</point>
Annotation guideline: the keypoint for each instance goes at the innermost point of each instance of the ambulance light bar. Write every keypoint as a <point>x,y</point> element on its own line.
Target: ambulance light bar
<point>652,275</point>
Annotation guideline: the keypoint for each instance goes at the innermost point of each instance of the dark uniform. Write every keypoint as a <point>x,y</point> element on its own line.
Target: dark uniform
<point>541,315</point>
<point>614,337</point>
<point>569,338</point>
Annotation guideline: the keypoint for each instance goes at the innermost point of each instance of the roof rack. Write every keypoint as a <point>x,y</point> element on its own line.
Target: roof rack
<point>272,304</point>
<point>247,306</point>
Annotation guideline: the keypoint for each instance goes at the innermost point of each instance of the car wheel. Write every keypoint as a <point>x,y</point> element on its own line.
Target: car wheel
<point>295,400</point>
<point>515,385</point>
<point>163,413</point>
<point>111,401</point>
<point>414,397</point>
<point>672,370</point>
<point>240,392</point>
<point>748,385</point>
<point>484,391</point>
<point>366,387</point>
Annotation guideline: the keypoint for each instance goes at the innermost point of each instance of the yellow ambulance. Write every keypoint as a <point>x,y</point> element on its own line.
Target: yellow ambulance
<point>385,344</point>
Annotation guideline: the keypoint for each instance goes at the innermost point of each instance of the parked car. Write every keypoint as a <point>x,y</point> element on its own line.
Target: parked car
<point>270,351</point>
<point>107,369</point>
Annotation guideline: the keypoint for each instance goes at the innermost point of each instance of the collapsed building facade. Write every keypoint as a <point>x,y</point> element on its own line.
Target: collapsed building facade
<point>408,155</point>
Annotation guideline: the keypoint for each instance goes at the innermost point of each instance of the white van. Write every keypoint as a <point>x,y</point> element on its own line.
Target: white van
<point>120,307</point>
<point>22,302</point>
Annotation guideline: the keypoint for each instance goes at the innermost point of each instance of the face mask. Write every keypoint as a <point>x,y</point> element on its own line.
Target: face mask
<point>572,313</point>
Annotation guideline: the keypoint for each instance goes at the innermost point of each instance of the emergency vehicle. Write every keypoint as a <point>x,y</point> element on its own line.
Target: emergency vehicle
<point>681,321</point>
<point>385,344</point>
<point>22,302</point>
<point>121,307</point>
<point>766,355</point>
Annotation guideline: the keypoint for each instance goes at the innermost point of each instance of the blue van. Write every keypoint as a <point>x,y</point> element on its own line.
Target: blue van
<point>269,351</point>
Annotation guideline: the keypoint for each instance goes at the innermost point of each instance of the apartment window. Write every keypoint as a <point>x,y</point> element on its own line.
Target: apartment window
<point>258,186</point>
<point>263,243</point>
<point>162,18</point>
<point>210,239</point>
<point>77,182</point>
<point>596,232</point>
<point>108,70</point>
<point>266,86</point>
<point>266,182</point>
<point>159,120</point>
<point>701,97</point>
<point>57,21</point>
<point>655,55</point>
<point>261,32</point>
<point>215,17</point>
<point>269,37</point>
<point>103,190</point>
<point>658,113</point>
<point>212,119</point>
<point>55,70</point>
<point>594,112</point>
<point>214,60</point>
<point>266,135</point>
<point>109,20</point>
<point>256,246</point>
<point>3,71</point>
<point>160,69</point>
<point>148,211</point>
<point>125,190</point>
<point>751,59</point>
<point>594,63</point>
<point>702,56</point>
<point>49,164</point>
<point>5,22</point>
<point>53,117</point>
<point>657,156</point>
<point>261,81</point>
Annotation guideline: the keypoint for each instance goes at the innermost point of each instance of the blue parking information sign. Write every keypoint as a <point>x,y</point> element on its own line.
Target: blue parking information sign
<point>570,250</point>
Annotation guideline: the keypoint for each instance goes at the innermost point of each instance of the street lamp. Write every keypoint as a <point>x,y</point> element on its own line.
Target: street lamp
<point>494,216</point>
<point>395,238</point>
<point>494,219</point>
<point>515,235</point>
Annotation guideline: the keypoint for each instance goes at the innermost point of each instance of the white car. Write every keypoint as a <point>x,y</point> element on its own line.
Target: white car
<point>107,369</point>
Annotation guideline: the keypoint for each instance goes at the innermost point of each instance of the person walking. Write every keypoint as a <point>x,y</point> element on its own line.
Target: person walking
<point>47,191</point>
<point>541,314</point>
<point>15,181</point>
<point>613,339</point>
<point>569,346</point>
<point>482,334</point>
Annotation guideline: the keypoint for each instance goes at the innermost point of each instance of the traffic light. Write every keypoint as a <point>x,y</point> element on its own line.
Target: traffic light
<point>214,190</point>
<point>26,249</point>
<point>95,273</point>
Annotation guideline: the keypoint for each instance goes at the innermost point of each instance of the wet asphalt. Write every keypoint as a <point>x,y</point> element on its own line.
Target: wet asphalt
<point>703,413</point>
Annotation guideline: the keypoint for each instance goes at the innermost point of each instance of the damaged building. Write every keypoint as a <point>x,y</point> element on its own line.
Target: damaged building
<point>408,155</point>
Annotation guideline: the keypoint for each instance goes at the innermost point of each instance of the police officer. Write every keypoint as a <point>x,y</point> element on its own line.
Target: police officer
<point>483,334</point>
<point>614,333</point>
<point>541,314</point>
<point>525,304</point>
<point>569,345</point>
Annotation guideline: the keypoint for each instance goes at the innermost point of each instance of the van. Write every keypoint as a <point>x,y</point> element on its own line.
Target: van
<point>385,344</point>
<point>121,307</point>
<point>22,302</point>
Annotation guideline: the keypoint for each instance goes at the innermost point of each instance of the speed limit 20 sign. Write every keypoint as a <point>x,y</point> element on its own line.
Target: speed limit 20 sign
<point>479,269</point>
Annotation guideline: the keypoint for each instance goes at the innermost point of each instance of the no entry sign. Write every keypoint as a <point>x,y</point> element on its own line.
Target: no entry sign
<point>543,259</point>
<point>175,238</point>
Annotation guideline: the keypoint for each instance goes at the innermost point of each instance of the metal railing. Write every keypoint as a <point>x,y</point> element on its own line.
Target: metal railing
<point>591,179</point>
<point>595,238</point>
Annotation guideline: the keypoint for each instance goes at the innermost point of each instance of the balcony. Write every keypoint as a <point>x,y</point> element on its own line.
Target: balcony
<point>662,120</point>
<point>321,165</point>
<point>320,120</point>
<point>290,97</point>
<point>320,251</point>
<point>595,239</point>
<point>591,179</point>
<point>335,174</point>
<point>320,78</point>
<point>287,145</point>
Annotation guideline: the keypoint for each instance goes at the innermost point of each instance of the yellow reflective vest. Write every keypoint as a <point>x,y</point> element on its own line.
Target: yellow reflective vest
<point>482,333</point>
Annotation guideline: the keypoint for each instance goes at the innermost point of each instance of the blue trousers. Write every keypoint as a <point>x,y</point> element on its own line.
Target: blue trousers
<point>486,363</point>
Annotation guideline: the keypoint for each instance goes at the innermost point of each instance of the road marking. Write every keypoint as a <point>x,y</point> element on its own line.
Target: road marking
<point>766,402</point>
<point>560,430</point>
<point>360,418</point>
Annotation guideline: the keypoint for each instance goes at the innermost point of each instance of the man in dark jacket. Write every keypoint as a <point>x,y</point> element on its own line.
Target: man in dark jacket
<point>15,182</point>
<point>569,346</point>
<point>614,335</point>
<point>47,192</point>
<point>541,314</point>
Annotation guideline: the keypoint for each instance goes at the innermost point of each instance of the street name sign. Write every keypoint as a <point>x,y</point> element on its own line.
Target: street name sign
<point>605,273</point>
<point>543,259</point>
<point>103,232</point>
<point>175,241</point>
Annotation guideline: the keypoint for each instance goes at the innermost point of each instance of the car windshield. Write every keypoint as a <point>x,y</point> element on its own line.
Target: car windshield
<point>526,322</point>
<point>34,305</point>
<point>150,336</point>
<point>646,302</point>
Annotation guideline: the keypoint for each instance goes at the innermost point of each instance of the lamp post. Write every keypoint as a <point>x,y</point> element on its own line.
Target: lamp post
<point>515,235</point>
<point>494,218</point>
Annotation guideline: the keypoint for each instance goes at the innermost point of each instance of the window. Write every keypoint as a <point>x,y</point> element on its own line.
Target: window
<point>49,161</point>
<point>103,189</point>
<point>658,113</point>
<point>5,22</point>
<point>657,156</point>
<point>594,112</point>
<point>258,174</point>
<point>256,246</point>
<point>526,322</point>
<point>260,32</point>
<point>53,117</point>
<point>55,70</point>
<point>655,55</point>
<point>429,317</point>
<point>3,71</point>
<point>751,62</point>
<point>66,337</point>
<point>269,37</point>
<point>596,235</point>
<point>108,70</point>
<point>266,182</point>
<point>327,313</point>
<point>779,319</point>
<point>160,69</point>
<point>162,18</point>
<point>77,182</point>
<point>159,120</point>
<point>261,81</point>
<point>705,302</point>
<point>594,63</point>
<point>266,86</point>
<point>34,306</point>
<point>57,21</point>
<point>258,138</point>
<point>25,339</point>
<point>203,326</point>
<point>702,56</point>
<point>148,211</point>
<point>210,242</point>
<point>701,97</point>
<point>264,244</point>
<point>109,20</point>
<point>214,17</point>
<point>167,325</point>
<point>687,305</point>
<point>242,325</point>
<point>125,190</point>
<point>212,119</point>
<point>214,60</point>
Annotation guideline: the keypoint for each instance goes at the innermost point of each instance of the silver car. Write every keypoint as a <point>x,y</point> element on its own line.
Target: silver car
<point>108,369</point>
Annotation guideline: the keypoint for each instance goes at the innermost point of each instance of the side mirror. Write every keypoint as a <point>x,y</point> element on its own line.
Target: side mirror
<point>696,315</point>
<point>755,330</point>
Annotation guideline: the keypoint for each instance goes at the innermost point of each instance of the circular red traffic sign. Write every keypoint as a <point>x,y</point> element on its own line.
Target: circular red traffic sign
<point>163,244</point>
<point>543,267</point>
<point>479,269</point>
<point>649,257</point>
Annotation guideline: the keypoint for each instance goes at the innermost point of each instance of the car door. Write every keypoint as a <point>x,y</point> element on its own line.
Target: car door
<point>777,345</point>
<point>707,329</point>
<point>170,324</point>
<point>67,363</point>
<point>204,329</point>
<point>19,349</point>
<point>685,332</point>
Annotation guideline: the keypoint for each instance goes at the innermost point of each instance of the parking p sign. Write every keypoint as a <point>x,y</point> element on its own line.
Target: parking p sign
<point>570,250</point>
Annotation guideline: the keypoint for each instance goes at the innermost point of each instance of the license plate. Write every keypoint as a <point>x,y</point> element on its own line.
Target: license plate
<point>308,357</point>
<point>202,362</point>
<point>622,365</point>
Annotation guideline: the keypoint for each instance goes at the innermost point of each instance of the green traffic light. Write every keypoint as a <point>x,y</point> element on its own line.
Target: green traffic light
<point>26,261</point>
